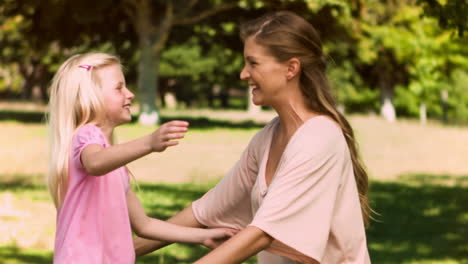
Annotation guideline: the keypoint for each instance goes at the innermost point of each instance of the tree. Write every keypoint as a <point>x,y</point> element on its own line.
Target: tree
<point>20,55</point>
<point>153,22</point>
<point>377,62</point>
<point>450,13</point>
<point>430,56</point>
<point>37,35</point>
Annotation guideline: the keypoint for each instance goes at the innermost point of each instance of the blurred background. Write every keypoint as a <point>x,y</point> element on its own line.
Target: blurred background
<point>399,70</point>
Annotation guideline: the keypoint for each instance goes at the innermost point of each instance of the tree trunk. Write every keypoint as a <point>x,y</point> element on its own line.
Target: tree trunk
<point>444,97</point>
<point>387,111</point>
<point>25,70</point>
<point>224,97</point>
<point>422,113</point>
<point>147,83</point>
<point>35,84</point>
<point>152,37</point>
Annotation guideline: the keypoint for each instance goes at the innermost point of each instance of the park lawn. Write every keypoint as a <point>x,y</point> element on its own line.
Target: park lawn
<point>418,173</point>
<point>417,222</point>
<point>214,143</point>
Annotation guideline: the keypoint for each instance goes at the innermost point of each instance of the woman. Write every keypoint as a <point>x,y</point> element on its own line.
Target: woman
<point>299,191</point>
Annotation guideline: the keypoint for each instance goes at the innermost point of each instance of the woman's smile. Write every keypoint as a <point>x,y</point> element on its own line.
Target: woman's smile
<point>254,87</point>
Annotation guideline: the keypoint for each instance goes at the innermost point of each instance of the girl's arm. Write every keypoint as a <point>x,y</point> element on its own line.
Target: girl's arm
<point>98,161</point>
<point>245,244</point>
<point>152,228</point>
<point>145,246</point>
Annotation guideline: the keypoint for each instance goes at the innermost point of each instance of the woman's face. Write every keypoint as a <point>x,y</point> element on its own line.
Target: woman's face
<point>264,74</point>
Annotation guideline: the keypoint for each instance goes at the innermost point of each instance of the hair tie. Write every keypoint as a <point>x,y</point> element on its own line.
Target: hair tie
<point>86,66</point>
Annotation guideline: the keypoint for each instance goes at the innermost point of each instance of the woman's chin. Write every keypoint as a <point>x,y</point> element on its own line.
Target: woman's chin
<point>257,102</point>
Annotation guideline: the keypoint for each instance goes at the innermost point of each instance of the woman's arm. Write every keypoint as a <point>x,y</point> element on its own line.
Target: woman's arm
<point>153,228</point>
<point>220,205</point>
<point>245,244</point>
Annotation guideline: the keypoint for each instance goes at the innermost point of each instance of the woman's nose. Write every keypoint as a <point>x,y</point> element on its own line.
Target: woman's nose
<point>244,75</point>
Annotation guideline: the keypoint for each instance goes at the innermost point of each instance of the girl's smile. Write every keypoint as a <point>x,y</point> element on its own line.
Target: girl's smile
<point>117,97</point>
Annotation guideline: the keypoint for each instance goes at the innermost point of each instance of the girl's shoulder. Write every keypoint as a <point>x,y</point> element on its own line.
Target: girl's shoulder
<point>88,132</point>
<point>88,128</point>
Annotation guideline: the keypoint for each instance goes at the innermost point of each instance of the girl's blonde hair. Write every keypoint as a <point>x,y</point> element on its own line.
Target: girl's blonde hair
<point>75,100</point>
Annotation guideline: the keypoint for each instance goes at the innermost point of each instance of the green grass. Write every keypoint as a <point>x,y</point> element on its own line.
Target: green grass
<point>419,222</point>
<point>160,201</point>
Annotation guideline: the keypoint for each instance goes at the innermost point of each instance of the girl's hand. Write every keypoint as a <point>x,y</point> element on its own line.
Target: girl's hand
<point>218,236</point>
<point>165,135</point>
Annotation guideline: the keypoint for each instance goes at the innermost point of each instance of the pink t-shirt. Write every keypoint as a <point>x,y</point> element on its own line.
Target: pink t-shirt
<point>311,207</point>
<point>93,226</point>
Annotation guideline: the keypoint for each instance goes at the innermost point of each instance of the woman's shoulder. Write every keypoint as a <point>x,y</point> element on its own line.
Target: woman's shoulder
<point>260,140</point>
<point>261,136</point>
<point>322,125</point>
<point>318,134</point>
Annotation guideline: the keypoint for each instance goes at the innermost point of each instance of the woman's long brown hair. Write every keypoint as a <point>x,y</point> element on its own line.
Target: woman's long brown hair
<point>286,35</point>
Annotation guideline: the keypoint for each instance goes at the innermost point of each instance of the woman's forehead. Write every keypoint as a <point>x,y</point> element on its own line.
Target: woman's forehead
<point>254,50</point>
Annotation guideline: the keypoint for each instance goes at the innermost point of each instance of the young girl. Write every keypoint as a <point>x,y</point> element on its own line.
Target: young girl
<point>96,208</point>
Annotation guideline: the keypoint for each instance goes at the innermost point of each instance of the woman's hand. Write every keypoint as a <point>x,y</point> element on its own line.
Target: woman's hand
<point>218,236</point>
<point>165,135</point>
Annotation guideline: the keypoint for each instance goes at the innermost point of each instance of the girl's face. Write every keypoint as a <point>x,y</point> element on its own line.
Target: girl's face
<point>117,97</point>
<point>264,74</point>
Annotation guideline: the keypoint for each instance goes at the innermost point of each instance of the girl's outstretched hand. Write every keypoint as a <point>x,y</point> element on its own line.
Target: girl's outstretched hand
<point>218,236</point>
<point>166,135</point>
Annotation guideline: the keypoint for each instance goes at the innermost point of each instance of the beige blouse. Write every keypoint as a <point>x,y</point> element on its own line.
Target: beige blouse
<point>311,208</point>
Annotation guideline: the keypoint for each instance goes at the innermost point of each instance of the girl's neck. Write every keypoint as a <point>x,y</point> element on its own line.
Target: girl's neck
<point>107,130</point>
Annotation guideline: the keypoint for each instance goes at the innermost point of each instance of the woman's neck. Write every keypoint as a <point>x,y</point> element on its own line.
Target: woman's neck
<point>293,112</point>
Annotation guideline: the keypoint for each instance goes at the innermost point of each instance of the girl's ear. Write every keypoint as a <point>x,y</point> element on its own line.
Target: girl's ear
<point>294,67</point>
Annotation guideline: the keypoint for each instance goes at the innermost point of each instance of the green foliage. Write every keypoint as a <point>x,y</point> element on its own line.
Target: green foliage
<point>186,60</point>
<point>406,103</point>
<point>450,13</point>
<point>197,70</point>
<point>458,96</point>
<point>316,5</point>
<point>350,90</point>
<point>427,56</point>
<point>395,46</point>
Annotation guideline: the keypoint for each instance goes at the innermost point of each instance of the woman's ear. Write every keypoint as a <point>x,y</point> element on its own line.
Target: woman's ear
<point>294,67</point>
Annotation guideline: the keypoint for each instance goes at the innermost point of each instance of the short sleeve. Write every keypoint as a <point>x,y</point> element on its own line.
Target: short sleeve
<point>297,209</point>
<point>85,136</point>
<point>228,203</point>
